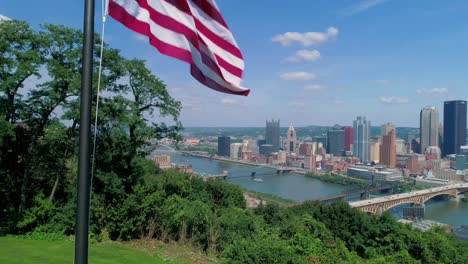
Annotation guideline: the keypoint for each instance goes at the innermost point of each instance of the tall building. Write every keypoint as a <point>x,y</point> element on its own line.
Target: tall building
<point>272,134</point>
<point>336,141</point>
<point>320,139</point>
<point>388,150</point>
<point>252,146</point>
<point>361,146</point>
<point>291,140</point>
<point>385,128</point>
<point>415,146</point>
<point>348,131</point>
<point>265,150</point>
<point>375,143</point>
<point>261,142</point>
<point>307,149</point>
<point>441,136</point>
<point>401,146</point>
<point>429,127</point>
<point>236,150</point>
<point>224,146</point>
<point>454,126</point>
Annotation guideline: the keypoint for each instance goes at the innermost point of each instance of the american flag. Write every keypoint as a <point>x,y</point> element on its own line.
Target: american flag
<point>192,31</point>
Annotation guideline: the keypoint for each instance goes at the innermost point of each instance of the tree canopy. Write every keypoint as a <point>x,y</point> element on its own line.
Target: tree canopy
<point>40,83</point>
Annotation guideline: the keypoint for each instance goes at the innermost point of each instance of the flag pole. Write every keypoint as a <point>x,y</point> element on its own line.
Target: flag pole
<point>83,181</point>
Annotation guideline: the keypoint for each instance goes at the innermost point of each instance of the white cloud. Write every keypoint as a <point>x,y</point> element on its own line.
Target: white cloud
<point>140,37</point>
<point>337,101</point>
<point>228,101</point>
<point>305,55</point>
<point>298,76</point>
<point>363,6</point>
<point>434,92</point>
<point>314,87</point>
<point>306,38</point>
<point>394,100</point>
<point>4,18</point>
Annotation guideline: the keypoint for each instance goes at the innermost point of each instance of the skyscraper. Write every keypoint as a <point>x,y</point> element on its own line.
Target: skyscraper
<point>236,150</point>
<point>454,126</point>
<point>375,144</point>
<point>441,136</point>
<point>429,127</point>
<point>261,142</point>
<point>401,146</point>
<point>291,141</point>
<point>224,146</point>
<point>415,146</point>
<point>348,131</point>
<point>388,150</point>
<point>385,128</point>
<point>272,134</point>
<point>336,141</point>
<point>266,150</point>
<point>307,149</point>
<point>361,147</point>
<point>320,139</point>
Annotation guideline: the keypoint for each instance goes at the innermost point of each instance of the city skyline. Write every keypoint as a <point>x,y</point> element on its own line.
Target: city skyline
<point>390,72</point>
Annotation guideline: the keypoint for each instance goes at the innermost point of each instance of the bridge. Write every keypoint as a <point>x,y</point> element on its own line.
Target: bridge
<point>168,148</point>
<point>362,192</point>
<point>382,204</point>
<point>280,169</point>
<point>283,170</point>
<point>211,176</point>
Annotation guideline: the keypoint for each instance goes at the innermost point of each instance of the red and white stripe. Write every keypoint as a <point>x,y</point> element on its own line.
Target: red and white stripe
<point>190,30</point>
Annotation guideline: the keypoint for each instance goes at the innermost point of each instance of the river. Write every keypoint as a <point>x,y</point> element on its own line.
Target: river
<point>300,188</point>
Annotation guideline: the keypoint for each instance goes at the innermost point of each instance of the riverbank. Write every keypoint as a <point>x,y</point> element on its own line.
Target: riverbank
<point>254,199</point>
<point>199,155</point>
<point>244,162</point>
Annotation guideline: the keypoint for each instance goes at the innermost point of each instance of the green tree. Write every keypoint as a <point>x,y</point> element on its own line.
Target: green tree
<point>39,88</point>
<point>262,250</point>
<point>236,224</point>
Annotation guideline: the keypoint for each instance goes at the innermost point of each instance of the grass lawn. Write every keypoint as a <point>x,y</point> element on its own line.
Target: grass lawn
<point>19,250</point>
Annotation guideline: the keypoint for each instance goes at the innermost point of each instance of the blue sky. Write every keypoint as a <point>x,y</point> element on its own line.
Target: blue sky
<point>385,59</point>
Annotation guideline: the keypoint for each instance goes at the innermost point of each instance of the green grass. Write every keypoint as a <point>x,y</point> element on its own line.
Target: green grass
<point>20,250</point>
